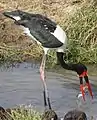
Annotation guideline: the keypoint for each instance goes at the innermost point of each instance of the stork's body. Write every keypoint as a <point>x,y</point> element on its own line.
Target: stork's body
<point>50,36</point>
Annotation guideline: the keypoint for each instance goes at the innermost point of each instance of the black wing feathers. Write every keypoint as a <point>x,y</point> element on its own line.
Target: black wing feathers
<point>41,30</point>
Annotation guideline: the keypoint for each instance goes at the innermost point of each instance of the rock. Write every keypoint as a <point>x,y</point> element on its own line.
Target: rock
<point>75,115</point>
<point>49,115</point>
<point>4,115</point>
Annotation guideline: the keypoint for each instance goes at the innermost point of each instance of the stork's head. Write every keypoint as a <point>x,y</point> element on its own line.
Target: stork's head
<point>17,15</point>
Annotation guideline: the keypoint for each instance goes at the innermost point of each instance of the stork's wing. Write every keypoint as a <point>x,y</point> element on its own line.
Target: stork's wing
<point>44,20</point>
<point>41,30</point>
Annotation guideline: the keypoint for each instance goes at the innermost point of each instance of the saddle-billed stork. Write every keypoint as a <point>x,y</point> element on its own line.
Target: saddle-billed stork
<point>51,36</point>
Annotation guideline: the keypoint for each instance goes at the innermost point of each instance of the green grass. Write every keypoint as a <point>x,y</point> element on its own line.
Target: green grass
<point>25,113</point>
<point>11,55</point>
<point>82,34</point>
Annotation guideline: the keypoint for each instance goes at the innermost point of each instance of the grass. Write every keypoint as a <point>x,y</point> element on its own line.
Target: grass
<point>82,34</point>
<point>10,55</point>
<point>81,29</point>
<point>21,113</point>
<point>80,25</point>
<point>27,113</point>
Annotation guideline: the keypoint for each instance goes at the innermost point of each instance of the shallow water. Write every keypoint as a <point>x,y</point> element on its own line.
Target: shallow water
<point>22,85</point>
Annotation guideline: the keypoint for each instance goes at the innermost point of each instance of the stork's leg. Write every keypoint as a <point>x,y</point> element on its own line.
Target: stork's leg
<point>42,67</point>
<point>42,75</point>
<point>82,88</point>
<point>44,95</point>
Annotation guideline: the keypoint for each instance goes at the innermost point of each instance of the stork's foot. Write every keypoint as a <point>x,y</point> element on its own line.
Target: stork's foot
<point>82,88</point>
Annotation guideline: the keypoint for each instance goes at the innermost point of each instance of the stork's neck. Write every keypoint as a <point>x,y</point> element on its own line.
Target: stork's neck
<point>68,66</point>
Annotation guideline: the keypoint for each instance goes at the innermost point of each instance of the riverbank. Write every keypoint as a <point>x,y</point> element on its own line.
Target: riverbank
<point>77,18</point>
<point>19,113</point>
<point>27,113</point>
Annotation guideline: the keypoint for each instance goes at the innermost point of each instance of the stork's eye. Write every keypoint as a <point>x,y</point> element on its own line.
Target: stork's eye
<point>24,16</point>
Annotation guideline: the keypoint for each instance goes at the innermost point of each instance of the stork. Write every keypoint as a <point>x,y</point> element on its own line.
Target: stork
<point>50,36</point>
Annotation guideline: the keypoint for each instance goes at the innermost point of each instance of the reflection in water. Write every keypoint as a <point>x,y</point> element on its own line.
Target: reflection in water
<point>22,85</point>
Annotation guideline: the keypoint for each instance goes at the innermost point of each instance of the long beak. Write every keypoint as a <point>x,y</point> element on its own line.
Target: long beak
<point>82,87</point>
<point>88,85</point>
<point>8,14</point>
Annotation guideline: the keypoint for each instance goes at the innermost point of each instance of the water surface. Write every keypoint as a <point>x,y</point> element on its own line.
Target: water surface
<point>22,85</point>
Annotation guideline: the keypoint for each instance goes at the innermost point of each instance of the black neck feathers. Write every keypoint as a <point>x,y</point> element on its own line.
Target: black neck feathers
<point>79,68</point>
<point>62,62</point>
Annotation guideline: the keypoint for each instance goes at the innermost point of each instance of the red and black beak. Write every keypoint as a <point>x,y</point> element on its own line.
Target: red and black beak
<point>85,76</point>
<point>82,87</point>
<point>88,85</point>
